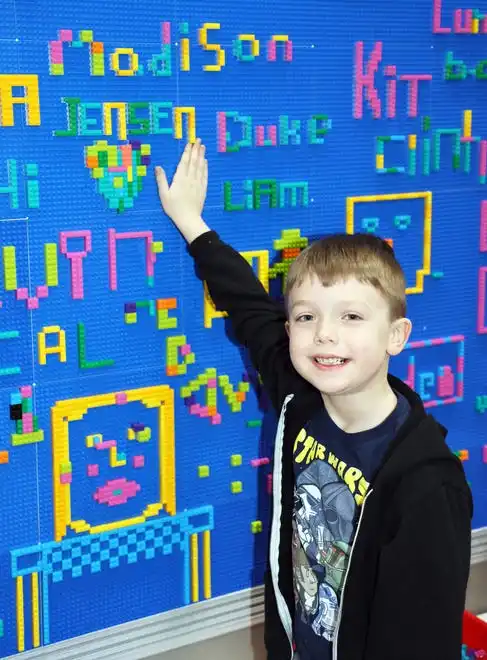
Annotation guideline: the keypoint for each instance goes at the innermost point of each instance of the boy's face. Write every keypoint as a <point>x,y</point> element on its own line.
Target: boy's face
<point>341,336</point>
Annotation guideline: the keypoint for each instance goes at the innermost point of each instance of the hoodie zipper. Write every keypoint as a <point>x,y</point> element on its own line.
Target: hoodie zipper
<point>340,610</point>
<point>282,607</point>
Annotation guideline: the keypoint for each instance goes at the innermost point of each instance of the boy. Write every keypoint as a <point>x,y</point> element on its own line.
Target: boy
<point>370,538</point>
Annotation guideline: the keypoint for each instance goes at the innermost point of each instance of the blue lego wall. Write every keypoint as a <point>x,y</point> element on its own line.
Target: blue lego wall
<point>135,457</point>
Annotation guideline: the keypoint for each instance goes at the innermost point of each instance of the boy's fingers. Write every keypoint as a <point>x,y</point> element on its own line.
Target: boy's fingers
<point>204,172</point>
<point>200,162</point>
<point>195,151</point>
<point>161,180</point>
<point>184,161</point>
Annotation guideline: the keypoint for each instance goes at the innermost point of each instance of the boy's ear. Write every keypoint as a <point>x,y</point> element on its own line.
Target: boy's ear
<point>399,336</point>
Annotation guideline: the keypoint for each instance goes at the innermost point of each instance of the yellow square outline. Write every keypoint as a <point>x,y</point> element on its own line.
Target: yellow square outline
<point>428,209</point>
<point>210,311</point>
<point>69,410</point>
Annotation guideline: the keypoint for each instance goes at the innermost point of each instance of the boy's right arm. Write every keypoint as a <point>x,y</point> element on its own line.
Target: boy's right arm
<point>258,321</point>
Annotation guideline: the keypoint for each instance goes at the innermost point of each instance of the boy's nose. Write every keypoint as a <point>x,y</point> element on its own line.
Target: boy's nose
<point>324,335</point>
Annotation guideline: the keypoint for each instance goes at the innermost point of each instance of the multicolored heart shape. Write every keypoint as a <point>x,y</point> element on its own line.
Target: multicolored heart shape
<point>118,170</point>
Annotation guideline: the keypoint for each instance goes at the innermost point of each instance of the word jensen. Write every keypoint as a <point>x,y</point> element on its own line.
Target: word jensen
<point>235,131</point>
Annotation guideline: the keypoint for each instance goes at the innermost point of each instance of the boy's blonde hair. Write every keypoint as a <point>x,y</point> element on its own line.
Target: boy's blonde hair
<point>365,257</point>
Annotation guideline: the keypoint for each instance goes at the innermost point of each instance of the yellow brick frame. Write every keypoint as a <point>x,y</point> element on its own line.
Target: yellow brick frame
<point>70,410</point>
<point>262,256</point>
<point>427,225</point>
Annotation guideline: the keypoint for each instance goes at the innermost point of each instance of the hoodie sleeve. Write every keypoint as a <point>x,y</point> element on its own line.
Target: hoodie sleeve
<point>420,593</point>
<point>257,320</point>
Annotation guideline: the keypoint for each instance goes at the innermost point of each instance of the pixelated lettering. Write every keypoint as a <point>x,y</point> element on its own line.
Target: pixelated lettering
<point>454,69</point>
<point>293,188</point>
<point>56,349</point>
<point>428,149</point>
<point>267,187</point>
<point>211,380</point>
<point>190,114</point>
<point>282,194</point>
<point>252,46</point>
<point>364,80</point>
<point>133,62</point>
<point>12,187</point>
<point>144,125</point>
<point>150,253</point>
<point>128,119</point>
<point>83,362</point>
<point>318,128</point>
<point>178,346</point>
<point>30,100</point>
<point>86,122</point>
<point>216,48</point>
<point>76,259</point>
<point>10,275</point>
<point>238,133</point>
<point>13,369</point>
<point>481,301</point>
<point>121,113</point>
<point>287,47</point>
<point>161,111</point>
<point>160,64</point>
<point>56,52</point>
<point>465,21</point>
<point>246,48</point>
<point>365,84</point>
<point>72,104</point>
<point>446,378</point>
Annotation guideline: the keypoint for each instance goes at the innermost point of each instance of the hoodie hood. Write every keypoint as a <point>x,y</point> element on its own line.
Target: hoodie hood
<point>420,441</point>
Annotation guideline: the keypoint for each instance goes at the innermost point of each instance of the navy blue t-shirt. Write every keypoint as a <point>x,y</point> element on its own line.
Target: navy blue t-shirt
<point>332,472</point>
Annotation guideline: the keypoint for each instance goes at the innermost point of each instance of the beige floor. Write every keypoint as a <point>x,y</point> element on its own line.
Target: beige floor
<point>243,645</point>
<point>248,644</point>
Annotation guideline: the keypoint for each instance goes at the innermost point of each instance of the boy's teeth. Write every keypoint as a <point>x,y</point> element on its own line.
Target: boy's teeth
<point>329,360</point>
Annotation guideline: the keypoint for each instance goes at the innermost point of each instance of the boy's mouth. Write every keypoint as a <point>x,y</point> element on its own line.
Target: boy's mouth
<point>329,360</point>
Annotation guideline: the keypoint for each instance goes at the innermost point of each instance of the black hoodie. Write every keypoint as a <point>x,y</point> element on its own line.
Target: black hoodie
<point>404,592</point>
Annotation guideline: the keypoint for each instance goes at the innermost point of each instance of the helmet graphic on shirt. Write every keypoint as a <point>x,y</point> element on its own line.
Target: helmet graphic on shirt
<point>324,517</point>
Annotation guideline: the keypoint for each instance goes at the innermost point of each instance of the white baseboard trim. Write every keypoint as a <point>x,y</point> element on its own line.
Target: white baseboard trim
<point>141,639</point>
<point>479,545</point>
<point>147,637</point>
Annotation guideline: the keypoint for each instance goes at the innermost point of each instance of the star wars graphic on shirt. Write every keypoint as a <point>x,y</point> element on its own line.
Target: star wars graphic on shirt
<point>327,495</point>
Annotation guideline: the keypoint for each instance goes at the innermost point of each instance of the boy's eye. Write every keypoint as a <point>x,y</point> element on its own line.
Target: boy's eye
<point>303,318</point>
<point>352,317</point>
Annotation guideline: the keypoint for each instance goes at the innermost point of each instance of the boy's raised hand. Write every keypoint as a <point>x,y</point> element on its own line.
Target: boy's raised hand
<point>184,199</point>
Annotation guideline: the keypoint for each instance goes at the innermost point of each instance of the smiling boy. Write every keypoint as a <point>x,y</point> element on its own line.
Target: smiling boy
<point>370,540</point>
